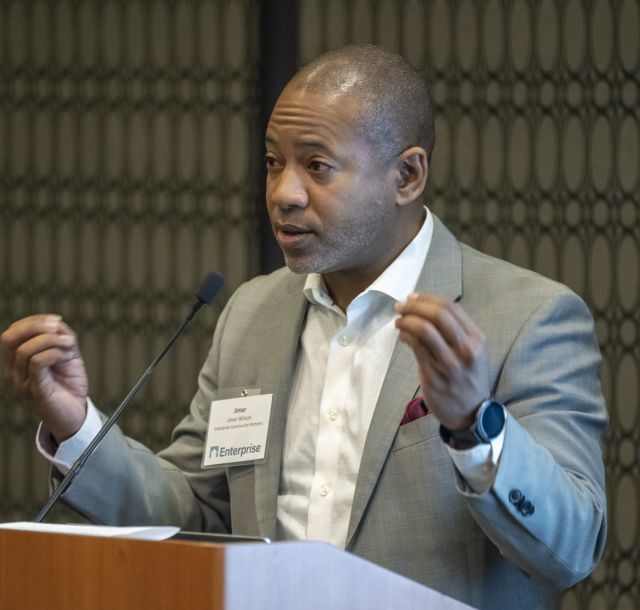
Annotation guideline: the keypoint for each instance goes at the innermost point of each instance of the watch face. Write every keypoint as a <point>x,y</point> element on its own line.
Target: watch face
<point>492,420</point>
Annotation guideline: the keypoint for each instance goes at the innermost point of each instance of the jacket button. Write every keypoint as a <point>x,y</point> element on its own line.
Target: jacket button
<point>527,508</point>
<point>515,496</point>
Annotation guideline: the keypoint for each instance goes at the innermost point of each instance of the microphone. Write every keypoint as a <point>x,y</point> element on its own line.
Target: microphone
<point>209,288</point>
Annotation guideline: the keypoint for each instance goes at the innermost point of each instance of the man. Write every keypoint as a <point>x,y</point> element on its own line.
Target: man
<point>398,451</point>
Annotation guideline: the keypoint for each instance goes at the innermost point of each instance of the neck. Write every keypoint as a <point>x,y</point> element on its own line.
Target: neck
<point>346,285</point>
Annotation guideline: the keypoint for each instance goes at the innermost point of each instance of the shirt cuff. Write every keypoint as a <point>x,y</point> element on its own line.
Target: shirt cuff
<point>64,455</point>
<point>478,465</point>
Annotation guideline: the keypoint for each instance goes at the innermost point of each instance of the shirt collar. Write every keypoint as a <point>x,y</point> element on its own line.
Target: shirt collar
<point>397,281</point>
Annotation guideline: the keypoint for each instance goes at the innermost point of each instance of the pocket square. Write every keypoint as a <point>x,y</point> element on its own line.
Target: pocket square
<point>414,410</point>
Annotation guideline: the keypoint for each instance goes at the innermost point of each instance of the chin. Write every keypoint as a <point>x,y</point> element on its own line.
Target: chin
<point>301,264</point>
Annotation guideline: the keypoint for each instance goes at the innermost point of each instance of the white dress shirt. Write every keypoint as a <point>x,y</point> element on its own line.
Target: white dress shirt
<point>343,360</point>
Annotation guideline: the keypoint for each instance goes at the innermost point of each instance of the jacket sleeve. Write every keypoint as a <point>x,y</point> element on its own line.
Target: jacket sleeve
<point>546,510</point>
<point>125,483</point>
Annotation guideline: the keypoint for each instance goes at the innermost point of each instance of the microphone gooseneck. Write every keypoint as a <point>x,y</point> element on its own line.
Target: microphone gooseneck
<point>209,289</point>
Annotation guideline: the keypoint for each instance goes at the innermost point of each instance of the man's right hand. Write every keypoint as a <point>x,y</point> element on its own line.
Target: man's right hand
<point>43,362</point>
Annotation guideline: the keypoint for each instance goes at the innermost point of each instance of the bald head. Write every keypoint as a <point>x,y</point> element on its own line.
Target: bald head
<point>395,103</point>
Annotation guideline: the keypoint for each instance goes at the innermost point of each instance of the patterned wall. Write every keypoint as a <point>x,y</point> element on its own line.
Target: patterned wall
<point>537,160</point>
<point>128,155</point>
<point>129,150</point>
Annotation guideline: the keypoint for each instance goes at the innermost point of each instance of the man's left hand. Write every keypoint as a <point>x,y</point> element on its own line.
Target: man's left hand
<point>452,357</point>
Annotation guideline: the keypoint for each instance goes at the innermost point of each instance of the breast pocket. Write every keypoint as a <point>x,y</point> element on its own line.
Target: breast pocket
<point>419,430</point>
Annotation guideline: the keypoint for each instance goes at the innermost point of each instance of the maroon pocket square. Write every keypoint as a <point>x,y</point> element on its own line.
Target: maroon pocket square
<point>414,410</point>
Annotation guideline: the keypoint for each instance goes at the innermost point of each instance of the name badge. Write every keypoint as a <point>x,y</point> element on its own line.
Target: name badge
<point>238,430</point>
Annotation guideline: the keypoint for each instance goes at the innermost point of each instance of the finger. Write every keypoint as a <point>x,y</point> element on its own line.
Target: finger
<point>40,343</point>
<point>454,308</point>
<point>65,329</point>
<point>459,330</point>
<point>431,378</point>
<point>420,299</point>
<point>23,330</point>
<point>429,337</point>
<point>429,305</point>
<point>41,363</point>
<point>29,327</point>
<point>422,354</point>
<point>471,341</point>
<point>437,329</point>
<point>440,313</point>
<point>35,345</point>
<point>470,327</point>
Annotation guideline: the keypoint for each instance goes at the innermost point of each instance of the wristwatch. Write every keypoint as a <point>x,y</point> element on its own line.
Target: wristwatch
<point>490,418</point>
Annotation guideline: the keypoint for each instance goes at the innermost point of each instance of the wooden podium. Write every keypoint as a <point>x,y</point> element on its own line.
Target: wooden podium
<point>41,571</point>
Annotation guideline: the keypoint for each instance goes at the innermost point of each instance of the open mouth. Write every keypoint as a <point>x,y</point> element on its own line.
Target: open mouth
<point>291,235</point>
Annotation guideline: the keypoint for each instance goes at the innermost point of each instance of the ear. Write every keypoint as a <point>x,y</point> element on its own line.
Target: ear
<point>413,169</point>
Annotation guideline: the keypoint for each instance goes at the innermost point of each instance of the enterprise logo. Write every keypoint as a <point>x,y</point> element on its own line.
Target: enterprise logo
<point>218,451</point>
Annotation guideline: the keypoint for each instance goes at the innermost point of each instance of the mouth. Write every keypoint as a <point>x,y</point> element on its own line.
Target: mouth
<point>290,235</point>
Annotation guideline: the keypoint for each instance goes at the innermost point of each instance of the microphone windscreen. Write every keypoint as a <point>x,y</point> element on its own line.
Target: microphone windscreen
<point>210,287</point>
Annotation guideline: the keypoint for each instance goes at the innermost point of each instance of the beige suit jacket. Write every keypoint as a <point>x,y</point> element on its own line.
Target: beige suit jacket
<point>410,511</point>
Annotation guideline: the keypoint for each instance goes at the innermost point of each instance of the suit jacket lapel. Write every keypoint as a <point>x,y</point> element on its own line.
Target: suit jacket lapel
<point>441,275</point>
<point>284,318</point>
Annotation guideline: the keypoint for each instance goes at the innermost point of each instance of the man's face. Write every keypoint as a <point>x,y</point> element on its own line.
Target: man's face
<point>330,198</point>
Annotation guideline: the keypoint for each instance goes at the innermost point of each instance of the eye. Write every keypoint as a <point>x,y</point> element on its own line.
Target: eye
<point>271,162</point>
<point>319,166</point>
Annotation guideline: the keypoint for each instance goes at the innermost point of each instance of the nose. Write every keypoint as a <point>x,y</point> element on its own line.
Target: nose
<point>286,189</point>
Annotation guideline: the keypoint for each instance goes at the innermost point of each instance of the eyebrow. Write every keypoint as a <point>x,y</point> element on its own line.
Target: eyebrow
<point>314,144</point>
<point>317,144</point>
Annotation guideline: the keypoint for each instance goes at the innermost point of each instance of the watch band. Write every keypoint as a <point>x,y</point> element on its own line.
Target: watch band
<point>490,418</point>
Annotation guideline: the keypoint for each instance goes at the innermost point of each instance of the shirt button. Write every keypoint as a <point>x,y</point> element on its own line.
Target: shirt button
<point>344,340</point>
<point>333,414</point>
<point>324,490</point>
